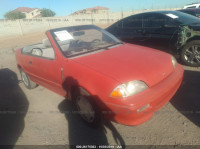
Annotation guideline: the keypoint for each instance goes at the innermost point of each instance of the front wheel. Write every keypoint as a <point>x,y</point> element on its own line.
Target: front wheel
<point>190,54</point>
<point>27,82</point>
<point>87,109</point>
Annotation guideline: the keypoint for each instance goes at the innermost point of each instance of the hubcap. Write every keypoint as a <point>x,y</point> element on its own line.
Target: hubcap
<point>24,78</point>
<point>192,54</point>
<point>85,108</point>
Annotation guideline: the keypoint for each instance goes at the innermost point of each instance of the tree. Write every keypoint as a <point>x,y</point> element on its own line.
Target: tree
<point>47,13</point>
<point>12,15</point>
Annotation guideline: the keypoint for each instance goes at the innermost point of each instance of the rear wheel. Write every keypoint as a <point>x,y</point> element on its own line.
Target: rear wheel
<point>190,53</point>
<point>27,82</point>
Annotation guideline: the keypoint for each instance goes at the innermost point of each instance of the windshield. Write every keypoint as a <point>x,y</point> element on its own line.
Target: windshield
<point>79,40</point>
<point>182,18</point>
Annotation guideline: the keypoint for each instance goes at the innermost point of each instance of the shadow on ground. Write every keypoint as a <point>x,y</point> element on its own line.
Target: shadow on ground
<point>187,98</point>
<point>13,108</point>
<point>79,132</point>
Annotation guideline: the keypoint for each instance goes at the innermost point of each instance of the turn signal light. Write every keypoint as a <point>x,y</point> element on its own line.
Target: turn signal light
<point>117,93</point>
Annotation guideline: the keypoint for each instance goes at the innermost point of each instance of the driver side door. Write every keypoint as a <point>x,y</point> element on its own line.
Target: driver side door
<point>159,30</point>
<point>131,30</point>
<point>45,68</point>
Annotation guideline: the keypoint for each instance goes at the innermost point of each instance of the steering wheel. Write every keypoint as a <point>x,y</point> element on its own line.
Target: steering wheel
<point>95,41</point>
<point>37,51</point>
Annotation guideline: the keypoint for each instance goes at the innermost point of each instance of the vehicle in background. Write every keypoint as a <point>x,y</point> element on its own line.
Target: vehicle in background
<point>103,76</point>
<point>173,31</point>
<point>195,11</point>
<point>193,5</point>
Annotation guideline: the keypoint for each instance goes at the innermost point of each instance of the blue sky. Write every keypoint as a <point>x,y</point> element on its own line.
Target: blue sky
<point>66,7</point>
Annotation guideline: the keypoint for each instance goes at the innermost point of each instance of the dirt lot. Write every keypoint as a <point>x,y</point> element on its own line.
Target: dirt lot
<point>40,122</point>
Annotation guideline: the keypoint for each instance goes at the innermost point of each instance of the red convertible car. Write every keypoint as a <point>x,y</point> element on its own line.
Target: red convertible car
<point>104,77</point>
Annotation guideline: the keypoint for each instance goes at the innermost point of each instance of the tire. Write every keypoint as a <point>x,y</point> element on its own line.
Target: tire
<point>26,80</point>
<point>87,109</point>
<point>190,54</point>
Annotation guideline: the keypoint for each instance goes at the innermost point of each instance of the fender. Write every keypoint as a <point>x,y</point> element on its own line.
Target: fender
<point>82,92</point>
<point>185,34</point>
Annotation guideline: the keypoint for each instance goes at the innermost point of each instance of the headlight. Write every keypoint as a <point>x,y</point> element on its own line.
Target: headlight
<point>174,62</point>
<point>129,89</point>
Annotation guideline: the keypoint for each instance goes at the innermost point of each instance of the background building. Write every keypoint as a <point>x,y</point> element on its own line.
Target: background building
<point>29,12</point>
<point>93,10</point>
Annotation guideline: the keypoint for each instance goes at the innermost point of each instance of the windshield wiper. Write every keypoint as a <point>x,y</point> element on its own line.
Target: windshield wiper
<point>107,47</point>
<point>93,50</point>
<point>111,45</point>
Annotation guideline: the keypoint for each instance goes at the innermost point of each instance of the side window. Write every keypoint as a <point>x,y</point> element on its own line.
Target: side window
<point>170,23</point>
<point>190,12</point>
<point>43,50</point>
<point>47,50</point>
<point>132,22</point>
<point>154,20</point>
<point>192,7</point>
<point>27,50</point>
<point>119,24</point>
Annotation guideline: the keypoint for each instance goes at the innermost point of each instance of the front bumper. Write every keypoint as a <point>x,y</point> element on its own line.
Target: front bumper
<point>156,97</point>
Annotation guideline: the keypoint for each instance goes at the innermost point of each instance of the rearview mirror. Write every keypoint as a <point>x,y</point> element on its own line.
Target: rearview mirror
<point>79,33</point>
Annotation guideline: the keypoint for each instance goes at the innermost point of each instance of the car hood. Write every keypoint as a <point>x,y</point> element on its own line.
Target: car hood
<point>130,62</point>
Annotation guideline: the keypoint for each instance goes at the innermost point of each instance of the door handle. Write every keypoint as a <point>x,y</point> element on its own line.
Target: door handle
<point>30,62</point>
<point>142,31</point>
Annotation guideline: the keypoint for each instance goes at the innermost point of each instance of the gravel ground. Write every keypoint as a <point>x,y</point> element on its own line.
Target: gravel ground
<point>41,121</point>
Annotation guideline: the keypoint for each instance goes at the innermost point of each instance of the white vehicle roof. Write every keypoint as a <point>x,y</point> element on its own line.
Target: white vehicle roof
<point>195,5</point>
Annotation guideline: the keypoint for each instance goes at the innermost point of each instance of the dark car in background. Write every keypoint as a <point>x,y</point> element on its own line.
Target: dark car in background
<point>173,31</point>
<point>195,11</point>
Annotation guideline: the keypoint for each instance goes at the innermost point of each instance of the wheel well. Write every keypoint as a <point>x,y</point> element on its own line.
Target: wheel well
<point>193,38</point>
<point>189,40</point>
<point>77,89</point>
